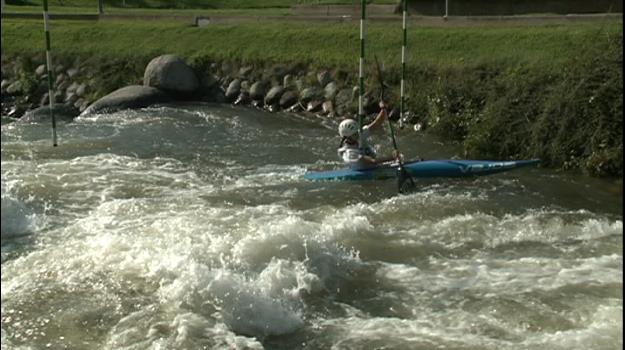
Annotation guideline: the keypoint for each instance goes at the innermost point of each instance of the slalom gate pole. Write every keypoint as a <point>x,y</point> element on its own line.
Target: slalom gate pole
<point>46,26</point>
<point>361,77</point>
<point>403,68</point>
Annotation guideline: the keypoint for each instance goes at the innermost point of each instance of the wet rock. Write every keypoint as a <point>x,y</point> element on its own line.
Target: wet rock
<point>63,85</point>
<point>14,88</point>
<point>309,94</point>
<point>258,90</point>
<point>370,104</point>
<point>245,72</point>
<point>72,88</point>
<point>58,98</point>
<point>314,106</point>
<point>288,81</point>
<point>327,107</point>
<point>274,95</point>
<point>234,89</point>
<point>299,84</point>
<point>72,72</point>
<point>288,99</point>
<point>59,79</point>
<point>41,70</point>
<point>245,85</point>
<point>171,74</point>
<point>344,97</point>
<point>71,98</point>
<point>215,94</point>
<point>129,97</point>
<point>79,102</point>
<point>16,111</point>
<point>81,90</point>
<point>62,112</point>
<point>208,81</point>
<point>83,107</point>
<point>243,99</point>
<point>297,107</point>
<point>5,84</point>
<point>343,100</point>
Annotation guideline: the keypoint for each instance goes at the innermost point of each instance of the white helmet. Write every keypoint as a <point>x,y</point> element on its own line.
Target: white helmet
<point>348,127</point>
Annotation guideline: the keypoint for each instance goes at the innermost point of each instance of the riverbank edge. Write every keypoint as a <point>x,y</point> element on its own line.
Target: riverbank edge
<point>495,112</point>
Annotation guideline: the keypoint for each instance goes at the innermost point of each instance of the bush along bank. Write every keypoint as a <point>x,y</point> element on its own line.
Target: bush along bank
<point>571,118</point>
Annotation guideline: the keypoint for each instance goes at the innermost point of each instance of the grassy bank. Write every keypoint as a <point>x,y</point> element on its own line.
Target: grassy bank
<point>504,92</point>
<point>320,44</point>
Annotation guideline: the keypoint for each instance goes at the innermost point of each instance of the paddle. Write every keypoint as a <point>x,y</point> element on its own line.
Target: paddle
<point>404,180</point>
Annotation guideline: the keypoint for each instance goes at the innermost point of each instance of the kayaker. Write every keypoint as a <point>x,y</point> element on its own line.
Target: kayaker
<point>358,156</point>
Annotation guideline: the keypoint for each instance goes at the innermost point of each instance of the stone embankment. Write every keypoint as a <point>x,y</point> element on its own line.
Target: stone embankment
<point>169,79</point>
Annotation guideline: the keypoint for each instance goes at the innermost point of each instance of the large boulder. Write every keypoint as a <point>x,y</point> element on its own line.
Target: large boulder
<point>129,97</point>
<point>171,74</point>
<point>62,112</point>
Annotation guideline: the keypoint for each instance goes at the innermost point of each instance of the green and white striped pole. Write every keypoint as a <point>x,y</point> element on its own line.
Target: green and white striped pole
<point>361,75</point>
<point>403,69</point>
<point>49,70</point>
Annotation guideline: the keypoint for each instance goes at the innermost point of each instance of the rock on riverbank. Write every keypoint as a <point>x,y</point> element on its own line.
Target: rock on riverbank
<point>169,78</point>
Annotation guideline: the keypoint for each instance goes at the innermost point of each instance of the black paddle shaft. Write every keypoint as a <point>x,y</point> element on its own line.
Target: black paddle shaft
<point>403,174</point>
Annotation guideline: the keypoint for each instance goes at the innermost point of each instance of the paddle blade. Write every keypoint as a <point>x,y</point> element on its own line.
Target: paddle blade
<point>405,182</point>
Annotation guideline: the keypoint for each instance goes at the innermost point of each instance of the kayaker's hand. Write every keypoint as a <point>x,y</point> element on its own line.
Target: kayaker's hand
<point>398,156</point>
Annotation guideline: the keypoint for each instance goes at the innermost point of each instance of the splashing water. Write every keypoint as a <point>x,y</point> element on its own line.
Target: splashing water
<point>190,227</point>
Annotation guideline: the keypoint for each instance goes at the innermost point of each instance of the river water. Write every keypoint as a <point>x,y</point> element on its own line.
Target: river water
<point>190,227</point>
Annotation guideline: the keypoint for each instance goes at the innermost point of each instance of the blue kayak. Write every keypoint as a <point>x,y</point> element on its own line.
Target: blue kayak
<point>424,168</point>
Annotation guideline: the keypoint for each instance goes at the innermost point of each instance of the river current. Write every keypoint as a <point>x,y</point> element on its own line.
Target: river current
<point>191,227</point>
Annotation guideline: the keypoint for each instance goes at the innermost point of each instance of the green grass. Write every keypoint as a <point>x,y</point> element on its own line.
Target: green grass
<point>319,44</point>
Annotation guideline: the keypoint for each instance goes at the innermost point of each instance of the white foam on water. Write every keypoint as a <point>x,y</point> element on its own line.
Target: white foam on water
<point>489,277</point>
<point>266,176</point>
<point>427,331</point>
<point>547,226</point>
<point>251,310</point>
<point>601,329</point>
<point>18,219</point>
<point>244,268</point>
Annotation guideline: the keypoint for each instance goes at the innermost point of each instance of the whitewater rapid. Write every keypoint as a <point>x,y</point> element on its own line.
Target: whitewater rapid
<point>189,227</point>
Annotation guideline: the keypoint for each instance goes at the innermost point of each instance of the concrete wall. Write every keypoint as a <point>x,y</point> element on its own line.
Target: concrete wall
<point>513,7</point>
<point>342,10</point>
